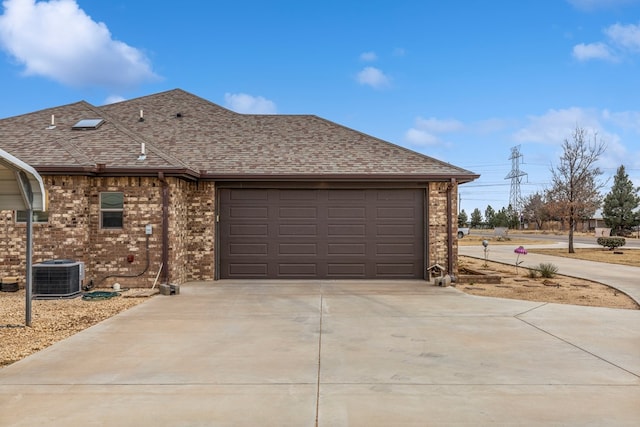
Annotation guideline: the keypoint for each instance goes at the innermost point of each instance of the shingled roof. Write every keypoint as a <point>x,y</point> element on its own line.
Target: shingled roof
<point>190,136</point>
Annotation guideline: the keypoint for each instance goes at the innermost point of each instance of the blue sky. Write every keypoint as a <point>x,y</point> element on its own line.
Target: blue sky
<point>459,80</point>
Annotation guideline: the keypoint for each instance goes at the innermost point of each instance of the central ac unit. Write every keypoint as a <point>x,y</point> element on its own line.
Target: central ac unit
<point>61,278</point>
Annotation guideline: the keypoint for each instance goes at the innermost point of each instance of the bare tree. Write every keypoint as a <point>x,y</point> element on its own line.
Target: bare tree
<point>575,189</point>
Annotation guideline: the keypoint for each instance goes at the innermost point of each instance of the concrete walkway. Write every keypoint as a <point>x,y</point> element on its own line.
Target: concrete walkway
<point>622,277</point>
<point>334,353</point>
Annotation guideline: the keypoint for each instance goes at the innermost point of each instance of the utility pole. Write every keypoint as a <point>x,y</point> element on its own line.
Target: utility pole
<point>515,198</point>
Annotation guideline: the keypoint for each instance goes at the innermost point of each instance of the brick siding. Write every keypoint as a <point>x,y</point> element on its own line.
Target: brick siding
<point>73,230</point>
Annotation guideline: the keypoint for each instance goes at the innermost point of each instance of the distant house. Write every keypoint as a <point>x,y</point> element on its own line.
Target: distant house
<point>596,221</point>
<point>173,185</point>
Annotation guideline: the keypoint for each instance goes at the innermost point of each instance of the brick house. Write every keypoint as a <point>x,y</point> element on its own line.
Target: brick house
<point>173,185</point>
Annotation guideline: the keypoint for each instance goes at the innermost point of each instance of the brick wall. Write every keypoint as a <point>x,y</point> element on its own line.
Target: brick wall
<point>73,231</point>
<point>200,238</point>
<point>191,230</point>
<point>64,236</point>
<point>438,224</point>
<point>109,248</point>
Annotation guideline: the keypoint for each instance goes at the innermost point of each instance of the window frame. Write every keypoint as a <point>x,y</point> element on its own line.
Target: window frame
<point>110,211</point>
<point>36,219</point>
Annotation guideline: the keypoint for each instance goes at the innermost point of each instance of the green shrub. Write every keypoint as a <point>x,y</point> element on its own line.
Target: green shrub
<point>547,270</point>
<point>533,273</point>
<point>611,242</point>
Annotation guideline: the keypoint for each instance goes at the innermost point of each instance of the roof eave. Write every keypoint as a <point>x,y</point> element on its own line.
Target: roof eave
<point>460,179</point>
<point>102,170</point>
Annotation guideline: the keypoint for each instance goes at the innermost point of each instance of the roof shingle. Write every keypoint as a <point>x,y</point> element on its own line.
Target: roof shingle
<point>184,132</point>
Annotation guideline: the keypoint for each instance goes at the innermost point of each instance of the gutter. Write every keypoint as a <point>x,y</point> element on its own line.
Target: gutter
<point>360,177</point>
<point>101,169</point>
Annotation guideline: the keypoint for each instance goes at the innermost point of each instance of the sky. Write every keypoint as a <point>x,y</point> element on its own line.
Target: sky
<point>463,81</point>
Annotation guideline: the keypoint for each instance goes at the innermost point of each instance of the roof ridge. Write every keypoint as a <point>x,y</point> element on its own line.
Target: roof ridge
<point>176,90</point>
<point>150,146</point>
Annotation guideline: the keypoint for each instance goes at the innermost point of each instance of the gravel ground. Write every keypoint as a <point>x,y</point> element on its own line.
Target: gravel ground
<point>51,321</point>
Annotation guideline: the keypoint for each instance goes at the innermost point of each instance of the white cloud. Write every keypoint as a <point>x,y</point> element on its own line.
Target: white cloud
<point>488,126</point>
<point>625,36</point>
<point>368,56</point>
<point>585,52</point>
<point>58,40</point>
<point>556,125</point>
<point>373,77</point>
<point>624,119</point>
<point>425,131</point>
<point>112,99</point>
<point>621,40</point>
<point>247,104</point>
<point>420,137</point>
<point>439,126</point>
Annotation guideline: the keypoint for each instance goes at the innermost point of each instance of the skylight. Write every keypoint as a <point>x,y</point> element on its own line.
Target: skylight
<point>87,124</point>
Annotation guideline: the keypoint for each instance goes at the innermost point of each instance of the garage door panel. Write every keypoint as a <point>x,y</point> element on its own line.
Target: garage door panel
<point>346,195</point>
<point>395,249</point>
<point>296,212</point>
<point>347,213</point>
<point>342,270</point>
<point>370,233</point>
<point>249,212</point>
<point>298,230</point>
<point>395,195</point>
<point>248,249</point>
<point>248,230</point>
<point>395,213</point>
<point>298,249</point>
<point>297,195</point>
<point>387,230</point>
<point>309,270</point>
<point>405,270</point>
<point>346,230</point>
<point>253,270</point>
<point>247,194</point>
<point>354,249</point>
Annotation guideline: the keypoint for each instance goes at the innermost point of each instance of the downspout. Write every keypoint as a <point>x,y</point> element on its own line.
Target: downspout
<point>165,228</point>
<point>450,226</point>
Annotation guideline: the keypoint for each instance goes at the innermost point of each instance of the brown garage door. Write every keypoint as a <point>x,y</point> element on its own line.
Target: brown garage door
<point>321,234</point>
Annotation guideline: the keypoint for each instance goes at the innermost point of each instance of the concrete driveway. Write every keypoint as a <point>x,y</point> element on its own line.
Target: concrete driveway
<point>334,353</point>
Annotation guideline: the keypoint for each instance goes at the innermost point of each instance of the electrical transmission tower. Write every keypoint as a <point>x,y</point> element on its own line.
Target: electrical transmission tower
<point>515,198</point>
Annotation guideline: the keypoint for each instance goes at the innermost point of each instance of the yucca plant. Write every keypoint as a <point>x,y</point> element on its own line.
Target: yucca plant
<point>547,270</point>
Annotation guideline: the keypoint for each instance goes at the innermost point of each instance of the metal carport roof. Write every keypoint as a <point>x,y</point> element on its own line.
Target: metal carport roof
<point>21,188</point>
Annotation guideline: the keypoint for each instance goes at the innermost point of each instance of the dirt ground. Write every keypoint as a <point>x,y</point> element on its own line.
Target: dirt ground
<point>560,289</point>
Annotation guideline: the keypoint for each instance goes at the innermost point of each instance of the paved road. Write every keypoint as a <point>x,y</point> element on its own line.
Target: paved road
<point>577,239</point>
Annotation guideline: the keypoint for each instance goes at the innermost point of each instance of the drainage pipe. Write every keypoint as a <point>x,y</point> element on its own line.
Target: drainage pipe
<point>165,227</point>
<point>450,226</point>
